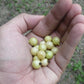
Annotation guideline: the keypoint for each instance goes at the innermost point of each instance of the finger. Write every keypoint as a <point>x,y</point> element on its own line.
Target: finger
<point>52,20</point>
<point>67,49</point>
<point>23,22</point>
<point>74,11</point>
<point>76,20</point>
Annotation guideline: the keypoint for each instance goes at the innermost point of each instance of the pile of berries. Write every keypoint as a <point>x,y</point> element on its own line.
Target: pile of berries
<point>43,52</point>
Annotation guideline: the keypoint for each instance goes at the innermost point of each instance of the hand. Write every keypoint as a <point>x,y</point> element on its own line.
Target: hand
<point>64,20</point>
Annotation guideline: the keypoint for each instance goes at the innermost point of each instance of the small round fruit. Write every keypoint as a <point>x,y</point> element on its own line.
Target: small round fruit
<point>35,58</point>
<point>48,38</point>
<point>49,54</point>
<point>56,41</point>
<point>41,55</point>
<point>37,46</point>
<point>44,62</point>
<point>42,47</point>
<point>42,42</point>
<point>34,51</point>
<point>54,50</point>
<point>36,64</point>
<point>33,41</point>
<point>49,45</point>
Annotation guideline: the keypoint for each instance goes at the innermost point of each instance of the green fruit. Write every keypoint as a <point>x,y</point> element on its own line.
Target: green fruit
<point>54,50</point>
<point>36,64</point>
<point>49,45</point>
<point>35,58</point>
<point>44,62</point>
<point>34,51</point>
<point>49,54</point>
<point>41,55</point>
<point>42,42</point>
<point>48,38</point>
<point>56,41</point>
<point>42,47</point>
<point>37,46</point>
<point>33,41</point>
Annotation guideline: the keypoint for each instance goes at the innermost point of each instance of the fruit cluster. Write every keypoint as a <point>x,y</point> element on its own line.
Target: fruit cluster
<point>43,52</point>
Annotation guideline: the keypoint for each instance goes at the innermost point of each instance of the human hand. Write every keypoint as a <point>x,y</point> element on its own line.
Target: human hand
<point>64,20</point>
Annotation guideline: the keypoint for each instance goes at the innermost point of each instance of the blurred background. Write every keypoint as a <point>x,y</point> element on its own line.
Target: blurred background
<point>10,8</point>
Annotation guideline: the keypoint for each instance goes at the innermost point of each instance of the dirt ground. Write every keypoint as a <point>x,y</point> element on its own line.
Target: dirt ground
<point>11,8</point>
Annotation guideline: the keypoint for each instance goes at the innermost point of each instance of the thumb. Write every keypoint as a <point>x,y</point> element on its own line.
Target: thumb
<point>23,22</point>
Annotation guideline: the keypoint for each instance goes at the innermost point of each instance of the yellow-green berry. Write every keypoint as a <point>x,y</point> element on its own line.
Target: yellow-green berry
<point>34,51</point>
<point>49,45</point>
<point>37,46</point>
<point>56,41</point>
<point>48,38</point>
<point>44,62</point>
<point>54,50</point>
<point>35,58</point>
<point>49,54</point>
<point>41,54</point>
<point>36,64</point>
<point>42,47</point>
<point>42,42</point>
<point>33,41</point>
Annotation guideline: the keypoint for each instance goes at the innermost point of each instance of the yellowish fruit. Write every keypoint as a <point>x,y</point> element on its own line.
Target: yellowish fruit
<point>37,46</point>
<point>42,42</point>
<point>44,62</point>
<point>34,51</point>
<point>49,45</point>
<point>48,38</point>
<point>56,41</point>
<point>35,58</point>
<point>42,47</point>
<point>36,64</point>
<point>41,55</point>
<point>33,41</point>
<point>54,50</point>
<point>49,54</point>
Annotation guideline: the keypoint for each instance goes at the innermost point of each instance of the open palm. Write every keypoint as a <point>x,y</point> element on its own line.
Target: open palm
<point>64,20</point>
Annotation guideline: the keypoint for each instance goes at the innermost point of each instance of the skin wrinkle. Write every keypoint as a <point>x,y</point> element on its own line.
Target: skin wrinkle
<point>68,31</point>
<point>60,65</point>
<point>72,14</point>
<point>18,28</point>
<point>53,70</point>
<point>56,65</point>
<point>22,15</point>
<point>26,75</point>
<point>54,21</point>
<point>69,28</point>
<point>41,31</point>
<point>44,73</point>
<point>74,25</point>
<point>14,74</point>
<point>26,24</point>
<point>68,56</point>
<point>19,72</point>
<point>54,16</point>
<point>81,32</point>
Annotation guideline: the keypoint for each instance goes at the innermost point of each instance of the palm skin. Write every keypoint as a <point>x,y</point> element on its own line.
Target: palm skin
<point>15,56</point>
